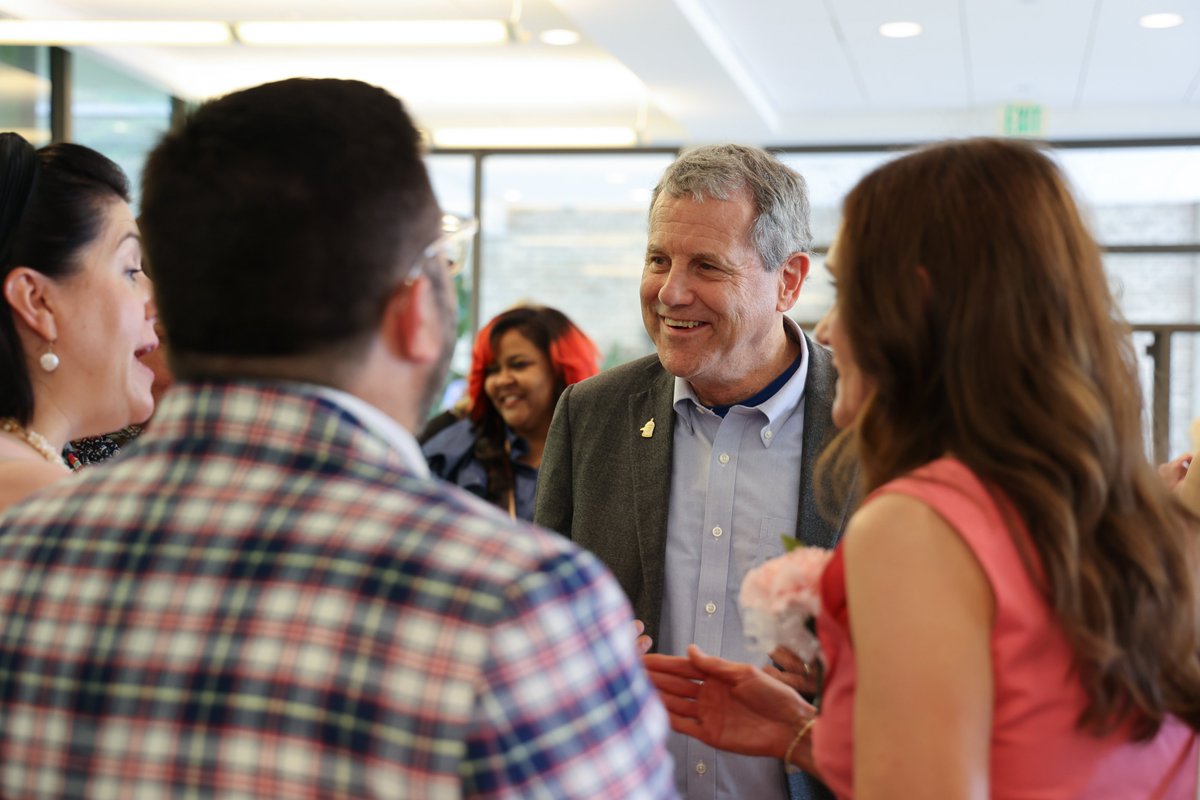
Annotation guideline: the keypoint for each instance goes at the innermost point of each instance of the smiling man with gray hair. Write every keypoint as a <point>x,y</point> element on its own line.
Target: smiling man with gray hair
<point>683,469</point>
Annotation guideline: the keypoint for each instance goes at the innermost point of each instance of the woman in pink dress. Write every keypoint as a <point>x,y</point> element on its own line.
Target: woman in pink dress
<point>1014,611</point>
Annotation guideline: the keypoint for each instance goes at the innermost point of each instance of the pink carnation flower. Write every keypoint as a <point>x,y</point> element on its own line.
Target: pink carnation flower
<point>779,597</point>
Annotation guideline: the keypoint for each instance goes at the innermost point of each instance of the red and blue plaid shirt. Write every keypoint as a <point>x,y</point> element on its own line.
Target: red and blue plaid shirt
<point>259,599</point>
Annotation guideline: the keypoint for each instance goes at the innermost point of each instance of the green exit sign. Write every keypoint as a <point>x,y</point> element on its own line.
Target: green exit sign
<point>1023,119</point>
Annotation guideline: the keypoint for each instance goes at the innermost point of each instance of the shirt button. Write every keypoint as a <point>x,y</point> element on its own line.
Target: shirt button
<point>701,768</point>
<point>717,531</point>
<point>710,607</point>
<point>723,458</point>
<point>767,434</point>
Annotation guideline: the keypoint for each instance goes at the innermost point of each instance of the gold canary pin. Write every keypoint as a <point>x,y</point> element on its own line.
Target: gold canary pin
<point>648,429</point>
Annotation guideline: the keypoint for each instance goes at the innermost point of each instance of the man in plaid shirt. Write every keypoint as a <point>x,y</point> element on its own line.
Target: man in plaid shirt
<point>267,596</point>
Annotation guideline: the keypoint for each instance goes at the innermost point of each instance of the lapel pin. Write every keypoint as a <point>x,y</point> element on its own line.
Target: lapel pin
<point>648,429</point>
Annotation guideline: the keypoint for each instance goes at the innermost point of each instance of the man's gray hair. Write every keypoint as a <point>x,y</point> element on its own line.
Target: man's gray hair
<point>721,171</point>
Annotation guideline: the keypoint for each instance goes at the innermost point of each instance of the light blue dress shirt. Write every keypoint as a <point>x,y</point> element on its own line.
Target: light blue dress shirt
<point>735,489</point>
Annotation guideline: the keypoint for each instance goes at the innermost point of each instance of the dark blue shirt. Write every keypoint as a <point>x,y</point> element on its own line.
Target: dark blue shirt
<point>450,454</point>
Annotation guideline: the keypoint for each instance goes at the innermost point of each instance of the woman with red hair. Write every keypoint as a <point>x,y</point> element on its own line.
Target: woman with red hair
<point>523,359</point>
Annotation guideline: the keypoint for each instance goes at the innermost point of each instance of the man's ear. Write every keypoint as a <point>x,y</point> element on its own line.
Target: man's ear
<point>791,278</point>
<point>410,328</point>
<point>29,294</point>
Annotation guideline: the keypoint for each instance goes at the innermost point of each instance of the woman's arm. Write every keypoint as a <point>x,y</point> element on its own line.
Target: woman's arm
<point>921,612</point>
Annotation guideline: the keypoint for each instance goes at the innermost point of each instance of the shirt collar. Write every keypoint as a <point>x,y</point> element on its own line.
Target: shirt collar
<point>379,424</point>
<point>776,408</point>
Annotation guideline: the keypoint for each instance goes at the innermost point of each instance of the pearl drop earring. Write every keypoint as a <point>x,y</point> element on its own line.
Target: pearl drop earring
<point>49,361</point>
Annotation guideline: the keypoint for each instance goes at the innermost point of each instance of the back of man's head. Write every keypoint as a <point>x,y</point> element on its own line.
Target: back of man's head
<point>726,171</point>
<point>278,218</point>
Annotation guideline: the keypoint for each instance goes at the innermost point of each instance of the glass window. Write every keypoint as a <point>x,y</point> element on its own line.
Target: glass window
<point>1148,198</point>
<point>1184,389</point>
<point>1138,195</point>
<point>1157,289</point>
<point>569,231</point>
<point>816,295</point>
<point>829,177</point>
<point>25,92</point>
<point>117,114</point>
<point>453,178</point>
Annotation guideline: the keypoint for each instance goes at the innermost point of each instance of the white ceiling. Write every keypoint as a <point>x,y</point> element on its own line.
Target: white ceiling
<point>767,71</point>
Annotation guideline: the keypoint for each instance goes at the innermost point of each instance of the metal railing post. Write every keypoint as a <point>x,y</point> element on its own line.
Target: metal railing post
<point>1159,351</point>
<point>60,94</point>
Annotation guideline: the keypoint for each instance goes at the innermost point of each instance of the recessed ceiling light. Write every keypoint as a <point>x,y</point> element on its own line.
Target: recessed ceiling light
<point>1167,19</point>
<point>900,30</point>
<point>559,37</point>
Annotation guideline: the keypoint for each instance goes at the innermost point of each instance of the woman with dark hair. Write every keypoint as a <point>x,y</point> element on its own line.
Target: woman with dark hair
<point>1014,611</point>
<point>77,316</point>
<point>522,361</point>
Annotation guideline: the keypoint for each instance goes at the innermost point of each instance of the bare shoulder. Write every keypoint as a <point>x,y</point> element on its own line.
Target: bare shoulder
<point>896,521</point>
<point>20,478</point>
<point>899,541</point>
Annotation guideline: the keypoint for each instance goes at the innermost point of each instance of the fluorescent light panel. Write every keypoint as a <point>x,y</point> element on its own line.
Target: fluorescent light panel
<point>1166,19</point>
<point>102,32</point>
<point>305,33</point>
<point>330,33</point>
<point>600,136</point>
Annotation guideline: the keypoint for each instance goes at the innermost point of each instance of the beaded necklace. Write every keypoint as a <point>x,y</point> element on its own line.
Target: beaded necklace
<point>31,438</point>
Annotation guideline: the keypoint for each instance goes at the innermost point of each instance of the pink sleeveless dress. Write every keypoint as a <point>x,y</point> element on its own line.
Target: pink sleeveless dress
<point>1036,750</point>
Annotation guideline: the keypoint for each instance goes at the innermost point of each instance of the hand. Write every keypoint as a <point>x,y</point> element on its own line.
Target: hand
<point>643,642</point>
<point>731,706</point>
<point>1173,471</point>
<point>794,671</point>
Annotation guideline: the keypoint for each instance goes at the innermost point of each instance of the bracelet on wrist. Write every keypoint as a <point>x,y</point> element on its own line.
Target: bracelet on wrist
<point>804,729</point>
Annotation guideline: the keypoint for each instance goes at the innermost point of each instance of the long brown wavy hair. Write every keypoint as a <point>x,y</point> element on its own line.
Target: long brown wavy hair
<point>976,304</point>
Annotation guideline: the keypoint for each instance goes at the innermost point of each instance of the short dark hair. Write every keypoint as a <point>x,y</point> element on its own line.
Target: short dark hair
<point>50,201</point>
<point>278,219</point>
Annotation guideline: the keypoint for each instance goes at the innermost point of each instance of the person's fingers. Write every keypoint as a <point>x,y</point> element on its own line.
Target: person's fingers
<point>788,660</point>
<point>676,687</point>
<point>713,666</point>
<point>673,665</point>
<point>680,707</point>
<point>641,640</point>
<point>802,684</point>
<point>792,670</point>
<point>1174,470</point>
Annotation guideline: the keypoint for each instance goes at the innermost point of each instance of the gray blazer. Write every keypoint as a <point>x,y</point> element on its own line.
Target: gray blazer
<point>607,487</point>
